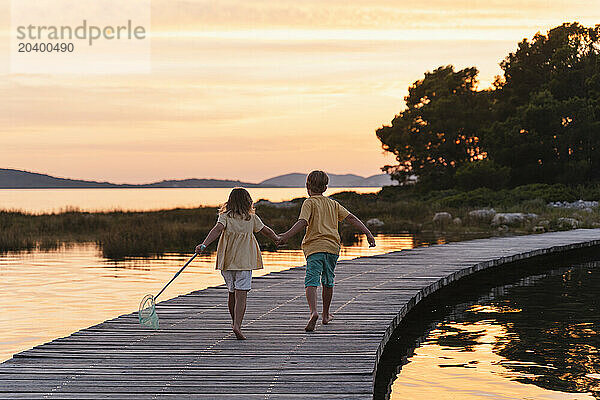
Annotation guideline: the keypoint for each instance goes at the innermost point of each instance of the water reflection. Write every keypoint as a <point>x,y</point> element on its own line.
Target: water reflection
<point>533,339</point>
<point>137,199</point>
<point>49,294</point>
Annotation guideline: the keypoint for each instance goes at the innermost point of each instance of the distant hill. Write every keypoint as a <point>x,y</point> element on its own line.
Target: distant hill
<point>199,183</point>
<point>16,179</point>
<point>347,180</point>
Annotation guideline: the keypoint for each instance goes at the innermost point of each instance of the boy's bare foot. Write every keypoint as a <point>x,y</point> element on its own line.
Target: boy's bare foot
<point>238,334</point>
<point>312,322</point>
<point>327,318</point>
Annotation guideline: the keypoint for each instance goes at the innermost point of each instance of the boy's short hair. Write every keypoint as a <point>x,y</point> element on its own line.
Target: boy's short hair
<point>317,181</point>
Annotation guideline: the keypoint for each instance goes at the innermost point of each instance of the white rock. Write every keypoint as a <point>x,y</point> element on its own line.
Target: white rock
<point>375,222</point>
<point>484,215</point>
<point>579,204</point>
<point>457,221</point>
<point>442,218</point>
<point>568,223</point>
<point>512,218</point>
<point>508,218</point>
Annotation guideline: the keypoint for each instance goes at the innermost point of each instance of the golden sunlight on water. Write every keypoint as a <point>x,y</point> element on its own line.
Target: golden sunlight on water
<point>52,200</point>
<point>526,333</point>
<point>450,373</point>
<point>50,294</point>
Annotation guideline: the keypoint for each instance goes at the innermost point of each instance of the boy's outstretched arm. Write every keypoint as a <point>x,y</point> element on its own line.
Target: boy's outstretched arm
<point>214,233</point>
<point>268,232</point>
<point>353,220</point>
<point>296,228</point>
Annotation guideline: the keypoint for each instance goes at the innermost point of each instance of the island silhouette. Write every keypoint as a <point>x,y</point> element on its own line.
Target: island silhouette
<point>19,179</point>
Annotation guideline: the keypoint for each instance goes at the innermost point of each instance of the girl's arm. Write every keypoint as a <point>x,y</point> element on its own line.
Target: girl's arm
<point>297,227</point>
<point>353,220</point>
<point>214,233</point>
<point>268,232</point>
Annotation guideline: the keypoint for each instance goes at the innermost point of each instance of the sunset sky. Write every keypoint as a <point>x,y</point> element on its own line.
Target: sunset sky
<point>252,89</point>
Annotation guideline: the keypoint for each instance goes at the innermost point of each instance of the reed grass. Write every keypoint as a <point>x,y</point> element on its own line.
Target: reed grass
<point>121,234</point>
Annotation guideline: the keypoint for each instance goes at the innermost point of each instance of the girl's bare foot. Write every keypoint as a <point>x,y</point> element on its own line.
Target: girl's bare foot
<point>312,322</point>
<point>327,318</point>
<point>238,334</point>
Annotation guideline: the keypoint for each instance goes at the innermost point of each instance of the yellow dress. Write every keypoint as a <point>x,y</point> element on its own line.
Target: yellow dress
<point>238,248</point>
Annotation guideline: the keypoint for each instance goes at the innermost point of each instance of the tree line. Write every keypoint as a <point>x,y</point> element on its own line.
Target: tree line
<point>538,123</point>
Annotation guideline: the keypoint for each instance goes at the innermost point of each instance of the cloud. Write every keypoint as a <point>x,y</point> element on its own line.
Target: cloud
<point>361,14</point>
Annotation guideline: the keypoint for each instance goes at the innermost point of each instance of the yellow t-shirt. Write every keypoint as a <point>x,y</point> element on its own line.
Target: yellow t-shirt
<point>322,215</point>
<point>238,248</point>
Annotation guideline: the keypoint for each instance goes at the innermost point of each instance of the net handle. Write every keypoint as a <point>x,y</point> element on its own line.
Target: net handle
<point>176,275</point>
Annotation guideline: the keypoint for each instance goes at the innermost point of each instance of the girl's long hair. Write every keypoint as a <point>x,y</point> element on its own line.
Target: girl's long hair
<point>239,203</point>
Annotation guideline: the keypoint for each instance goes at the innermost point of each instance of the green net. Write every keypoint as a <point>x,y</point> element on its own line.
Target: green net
<point>147,313</point>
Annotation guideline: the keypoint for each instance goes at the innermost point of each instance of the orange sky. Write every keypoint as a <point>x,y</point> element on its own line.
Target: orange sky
<point>252,89</point>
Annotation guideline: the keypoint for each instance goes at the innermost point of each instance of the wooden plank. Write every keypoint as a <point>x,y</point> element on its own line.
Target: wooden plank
<point>194,354</point>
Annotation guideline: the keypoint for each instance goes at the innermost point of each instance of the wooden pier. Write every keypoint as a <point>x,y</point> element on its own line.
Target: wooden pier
<point>195,355</point>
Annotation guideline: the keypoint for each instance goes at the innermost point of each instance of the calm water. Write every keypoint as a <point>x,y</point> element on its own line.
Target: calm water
<point>536,338</point>
<point>50,200</point>
<point>49,294</point>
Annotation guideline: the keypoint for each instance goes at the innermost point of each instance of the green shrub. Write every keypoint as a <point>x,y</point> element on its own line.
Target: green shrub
<point>484,173</point>
<point>482,197</point>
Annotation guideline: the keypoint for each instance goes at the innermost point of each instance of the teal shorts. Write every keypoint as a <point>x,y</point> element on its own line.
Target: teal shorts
<point>319,269</point>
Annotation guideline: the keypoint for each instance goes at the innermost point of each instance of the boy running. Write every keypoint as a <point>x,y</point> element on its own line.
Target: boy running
<point>321,244</point>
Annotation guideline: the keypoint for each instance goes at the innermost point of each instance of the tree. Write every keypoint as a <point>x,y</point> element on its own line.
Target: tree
<point>439,130</point>
<point>547,108</point>
<point>540,123</point>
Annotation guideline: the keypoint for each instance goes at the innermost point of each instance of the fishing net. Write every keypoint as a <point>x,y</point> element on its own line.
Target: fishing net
<point>147,313</point>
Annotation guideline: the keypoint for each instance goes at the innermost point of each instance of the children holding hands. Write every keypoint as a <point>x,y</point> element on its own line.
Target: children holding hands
<point>238,252</point>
